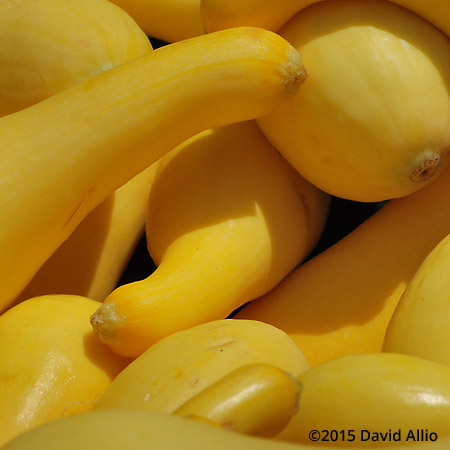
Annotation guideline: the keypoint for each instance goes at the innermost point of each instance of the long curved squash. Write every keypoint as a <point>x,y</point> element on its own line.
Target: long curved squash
<point>64,155</point>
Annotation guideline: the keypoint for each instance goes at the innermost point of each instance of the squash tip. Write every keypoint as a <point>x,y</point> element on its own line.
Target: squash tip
<point>105,321</point>
<point>294,70</point>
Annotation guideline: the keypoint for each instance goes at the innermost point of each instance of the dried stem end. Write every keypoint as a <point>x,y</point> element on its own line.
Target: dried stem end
<point>426,169</point>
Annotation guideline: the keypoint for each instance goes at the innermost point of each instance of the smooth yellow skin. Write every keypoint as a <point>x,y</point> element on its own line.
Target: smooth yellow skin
<point>90,262</point>
<point>92,138</point>
<point>423,131</point>
<point>57,44</point>
<point>371,122</point>
<point>222,14</point>
<point>141,430</point>
<point>169,20</point>
<point>184,363</point>
<point>256,399</point>
<point>341,301</point>
<point>271,15</point>
<point>420,325</point>
<point>377,392</point>
<point>49,45</point>
<point>227,219</point>
<point>51,363</point>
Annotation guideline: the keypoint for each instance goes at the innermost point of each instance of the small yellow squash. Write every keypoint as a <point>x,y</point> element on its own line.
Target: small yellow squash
<point>51,363</point>
<point>258,399</point>
<point>179,366</point>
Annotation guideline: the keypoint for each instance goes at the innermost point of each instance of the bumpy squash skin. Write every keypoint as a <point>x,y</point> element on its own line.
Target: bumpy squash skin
<point>182,364</point>
<point>420,323</point>
<point>51,364</point>
<point>376,392</point>
<point>47,46</point>
<point>141,430</point>
<point>227,219</point>
<point>341,301</point>
<point>372,121</point>
<point>99,138</point>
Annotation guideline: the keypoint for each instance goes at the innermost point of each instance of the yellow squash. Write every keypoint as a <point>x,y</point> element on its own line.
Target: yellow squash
<point>258,399</point>
<point>377,399</point>
<point>420,324</point>
<point>49,45</point>
<point>143,430</point>
<point>169,20</point>
<point>228,218</point>
<point>90,262</point>
<point>372,121</point>
<point>64,155</point>
<point>222,14</point>
<point>51,363</point>
<point>181,365</point>
<point>341,301</point>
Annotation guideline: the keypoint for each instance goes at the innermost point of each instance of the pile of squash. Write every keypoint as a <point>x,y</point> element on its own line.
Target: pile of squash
<point>225,149</point>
